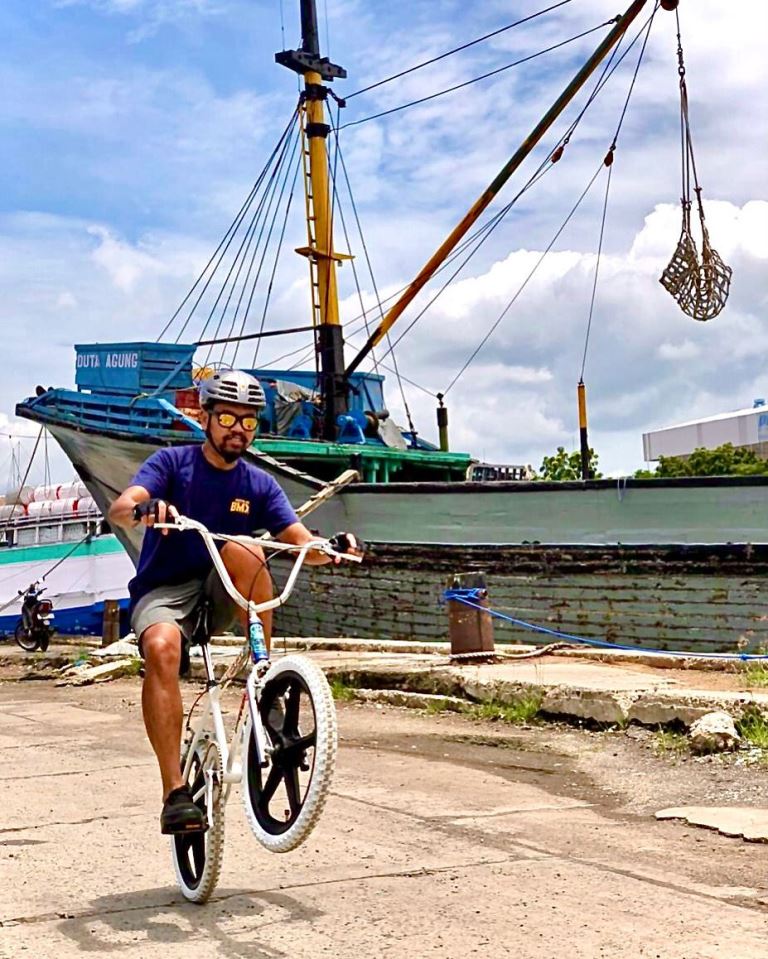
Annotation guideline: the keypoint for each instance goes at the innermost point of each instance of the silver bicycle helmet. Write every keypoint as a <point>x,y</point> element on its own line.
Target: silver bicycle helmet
<point>232,386</point>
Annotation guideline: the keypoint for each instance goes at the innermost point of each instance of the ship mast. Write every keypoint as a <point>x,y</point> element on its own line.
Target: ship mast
<point>319,251</point>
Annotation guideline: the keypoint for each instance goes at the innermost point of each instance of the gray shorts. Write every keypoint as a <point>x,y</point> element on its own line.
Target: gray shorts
<point>176,605</point>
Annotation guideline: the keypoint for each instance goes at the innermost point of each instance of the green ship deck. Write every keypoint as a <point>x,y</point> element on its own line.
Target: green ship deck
<point>376,464</point>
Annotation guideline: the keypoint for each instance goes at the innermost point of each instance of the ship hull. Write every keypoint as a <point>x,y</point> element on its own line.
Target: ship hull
<point>87,574</point>
<point>660,564</point>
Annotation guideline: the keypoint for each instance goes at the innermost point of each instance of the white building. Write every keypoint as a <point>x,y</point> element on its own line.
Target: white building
<point>748,428</point>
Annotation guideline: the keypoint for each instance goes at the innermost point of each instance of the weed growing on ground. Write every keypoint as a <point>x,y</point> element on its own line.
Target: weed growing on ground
<point>753,727</point>
<point>435,707</point>
<point>670,743</point>
<point>524,710</point>
<point>756,674</point>
<point>341,690</point>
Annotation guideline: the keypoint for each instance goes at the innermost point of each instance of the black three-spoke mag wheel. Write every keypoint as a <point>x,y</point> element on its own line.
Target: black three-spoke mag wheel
<point>283,800</point>
<point>197,856</point>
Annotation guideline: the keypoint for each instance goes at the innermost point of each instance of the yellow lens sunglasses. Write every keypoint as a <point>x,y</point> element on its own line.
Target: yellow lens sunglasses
<point>248,421</point>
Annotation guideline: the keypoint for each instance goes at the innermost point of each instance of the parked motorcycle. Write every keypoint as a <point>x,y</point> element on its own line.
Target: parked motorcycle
<point>35,628</point>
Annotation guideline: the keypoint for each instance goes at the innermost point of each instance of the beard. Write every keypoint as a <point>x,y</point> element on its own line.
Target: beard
<point>228,454</point>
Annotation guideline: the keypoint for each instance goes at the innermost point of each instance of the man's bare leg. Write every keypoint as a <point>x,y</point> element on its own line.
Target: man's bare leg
<point>161,700</point>
<point>251,577</point>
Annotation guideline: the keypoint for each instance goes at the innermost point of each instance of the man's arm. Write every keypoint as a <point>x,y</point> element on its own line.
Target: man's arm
<point>297,534</point>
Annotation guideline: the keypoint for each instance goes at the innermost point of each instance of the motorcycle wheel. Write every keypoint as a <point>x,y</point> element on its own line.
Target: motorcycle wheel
<point>25,639</point>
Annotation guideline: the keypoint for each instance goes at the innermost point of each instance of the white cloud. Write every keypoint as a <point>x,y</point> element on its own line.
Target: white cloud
<point>686,350</point>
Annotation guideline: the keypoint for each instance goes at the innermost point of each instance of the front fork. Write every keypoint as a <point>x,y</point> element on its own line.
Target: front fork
<point>260,660</point>
<point>232,769</point>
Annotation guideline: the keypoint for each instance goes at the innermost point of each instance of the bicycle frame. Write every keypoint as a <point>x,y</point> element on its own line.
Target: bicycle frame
<point>211,715</point>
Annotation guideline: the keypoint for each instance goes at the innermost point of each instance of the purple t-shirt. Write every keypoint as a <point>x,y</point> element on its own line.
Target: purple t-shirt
<point>236,502</point>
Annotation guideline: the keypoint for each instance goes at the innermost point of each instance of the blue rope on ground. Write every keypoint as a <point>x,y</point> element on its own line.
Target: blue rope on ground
<point>466,596</point>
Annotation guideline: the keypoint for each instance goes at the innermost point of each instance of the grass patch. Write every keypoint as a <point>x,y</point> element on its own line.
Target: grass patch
<point>524,710</point>
<point>753,727</point>
<point>435,707</point>
<point>670,743</point>
<point>342,691</point>
<point>756,674</point>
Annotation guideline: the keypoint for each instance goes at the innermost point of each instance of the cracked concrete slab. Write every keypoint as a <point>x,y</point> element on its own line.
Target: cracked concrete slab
<point>736,821</point>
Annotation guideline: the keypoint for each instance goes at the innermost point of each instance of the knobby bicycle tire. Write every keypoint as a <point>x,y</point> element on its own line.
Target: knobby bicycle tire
<point>197,856</point>
<point>296,681</point>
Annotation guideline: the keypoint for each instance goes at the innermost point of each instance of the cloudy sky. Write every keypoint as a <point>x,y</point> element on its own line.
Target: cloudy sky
<point>132,131</point>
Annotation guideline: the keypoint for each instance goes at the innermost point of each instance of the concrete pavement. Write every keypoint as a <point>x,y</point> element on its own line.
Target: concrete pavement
<point>431,845</point>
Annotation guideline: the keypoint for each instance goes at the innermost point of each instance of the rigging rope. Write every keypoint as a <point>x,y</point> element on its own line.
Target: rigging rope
<point>343,219</point>
<point>699,285</point>
<point>270,286</point>
<point>241,255</point>
<point>448,53</point>
<point>375,285</point>
<point>552,157</point>
<point>282,169</point>
<point>86,539</point>
<point>228,236</point>
<point>263,256</point>
<point>525,282</point>
<point>484,76</point>
<point>609,164</point>
<point>597,267</point>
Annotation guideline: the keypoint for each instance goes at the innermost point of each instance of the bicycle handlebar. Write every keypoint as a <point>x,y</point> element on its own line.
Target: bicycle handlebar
<point>184,523</point>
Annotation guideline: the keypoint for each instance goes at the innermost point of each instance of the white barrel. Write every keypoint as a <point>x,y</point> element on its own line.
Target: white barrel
<point>74,490</point>
<point>22,496</point>
<point>37,510</point>
<point>64,507</point>
<point>9,512</point>
<point>43,492</point>
<point>87,504</point>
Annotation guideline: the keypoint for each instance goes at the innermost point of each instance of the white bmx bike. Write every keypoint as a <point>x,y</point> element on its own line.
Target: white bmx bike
<point>283,746</point>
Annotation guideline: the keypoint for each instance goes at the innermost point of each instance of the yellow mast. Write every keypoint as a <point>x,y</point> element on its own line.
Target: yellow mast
<point>319,251</point>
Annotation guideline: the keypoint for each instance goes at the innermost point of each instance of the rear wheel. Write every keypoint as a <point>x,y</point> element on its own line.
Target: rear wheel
<point>197,856</point>
<point>24,637</point>
<point>283,800</point>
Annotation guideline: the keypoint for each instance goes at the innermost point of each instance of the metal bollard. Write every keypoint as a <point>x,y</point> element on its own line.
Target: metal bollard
<point>111,624</point>
<point>469,629</point>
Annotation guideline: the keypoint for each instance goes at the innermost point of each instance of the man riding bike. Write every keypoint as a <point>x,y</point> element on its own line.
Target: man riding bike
<point>212,484</point>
